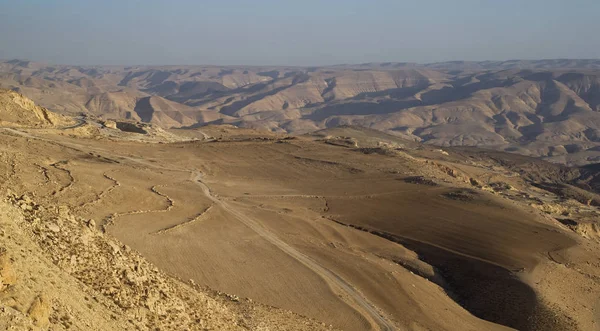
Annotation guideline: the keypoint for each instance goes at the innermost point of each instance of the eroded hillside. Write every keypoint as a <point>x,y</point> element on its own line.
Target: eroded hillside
<point>547,108</point>
<point>61,271</point>
<point>120,224</point>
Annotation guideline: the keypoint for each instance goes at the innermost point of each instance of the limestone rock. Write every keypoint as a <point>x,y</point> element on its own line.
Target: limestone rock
<point>8,276</point>
<point>39,311</point>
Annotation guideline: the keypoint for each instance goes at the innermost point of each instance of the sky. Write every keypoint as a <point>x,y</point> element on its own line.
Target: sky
<point>303,33</point>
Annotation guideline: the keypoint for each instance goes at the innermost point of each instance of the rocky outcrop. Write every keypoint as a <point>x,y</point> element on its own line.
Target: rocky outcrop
<point>19,111</point>
<point>58,271</point>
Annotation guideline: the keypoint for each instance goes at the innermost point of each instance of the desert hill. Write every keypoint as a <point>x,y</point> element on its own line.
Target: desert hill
<point>17,110</point>
<point>60,271</point>
<point>119,104</point>
<point>486,65</point>
<point>544,108</point>
<point>120,224</point>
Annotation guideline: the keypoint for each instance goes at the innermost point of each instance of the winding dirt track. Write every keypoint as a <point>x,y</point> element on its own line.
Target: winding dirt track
<point>331,278</point>
<point>336,282</point>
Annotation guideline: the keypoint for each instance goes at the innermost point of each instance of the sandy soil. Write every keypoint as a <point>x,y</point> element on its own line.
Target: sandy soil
<point>342,235</point>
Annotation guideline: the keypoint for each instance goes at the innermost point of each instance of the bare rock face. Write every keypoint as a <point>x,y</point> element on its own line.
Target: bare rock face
<point>8,275</point>
<point>39,311</point>
<point>110,124</point>
<point>19,111</point>
<point>12,319</point>
<point>134,127</point>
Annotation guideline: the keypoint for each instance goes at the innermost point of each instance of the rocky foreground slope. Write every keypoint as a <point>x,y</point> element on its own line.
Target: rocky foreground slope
<point>59,271</point>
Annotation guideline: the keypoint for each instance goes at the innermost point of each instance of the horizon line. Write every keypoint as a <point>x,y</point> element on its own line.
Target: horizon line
<point>303,66</point>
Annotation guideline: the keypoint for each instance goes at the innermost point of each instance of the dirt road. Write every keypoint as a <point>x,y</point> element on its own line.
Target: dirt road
<point>335,281</point>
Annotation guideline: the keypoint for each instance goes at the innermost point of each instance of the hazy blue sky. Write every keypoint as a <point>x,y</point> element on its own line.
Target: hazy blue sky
<point>304,32</point>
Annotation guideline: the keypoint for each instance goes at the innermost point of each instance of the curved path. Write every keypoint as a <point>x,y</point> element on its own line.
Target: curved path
<point>335,281</point>
<point>330,277</point>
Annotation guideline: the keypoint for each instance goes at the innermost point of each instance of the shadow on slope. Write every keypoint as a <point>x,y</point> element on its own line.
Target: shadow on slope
<point>400,99</point>
<point>488,291</point>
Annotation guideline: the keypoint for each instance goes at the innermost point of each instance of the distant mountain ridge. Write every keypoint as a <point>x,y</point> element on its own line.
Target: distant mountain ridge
<point>489,65</point>
<point>565,63</point>
<point>547,108</point>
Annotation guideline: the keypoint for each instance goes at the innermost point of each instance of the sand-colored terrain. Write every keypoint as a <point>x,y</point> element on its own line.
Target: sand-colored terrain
<point>347,228</point>
<point>540,108</point>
